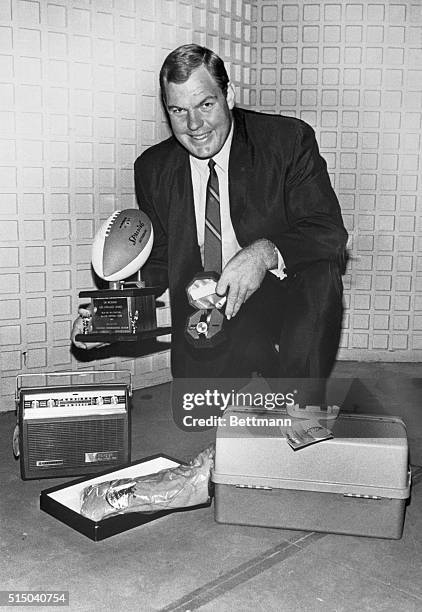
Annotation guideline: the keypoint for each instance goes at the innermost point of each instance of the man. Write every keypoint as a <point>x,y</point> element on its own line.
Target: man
<point>281,235</point>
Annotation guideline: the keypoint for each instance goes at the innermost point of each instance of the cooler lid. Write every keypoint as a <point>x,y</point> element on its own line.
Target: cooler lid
<point>367,456</point>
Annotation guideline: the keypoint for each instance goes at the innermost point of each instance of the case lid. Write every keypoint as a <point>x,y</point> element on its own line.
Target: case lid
<point>367,456</point>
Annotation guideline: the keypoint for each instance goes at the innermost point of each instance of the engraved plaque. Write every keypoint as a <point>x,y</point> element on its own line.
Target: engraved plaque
<point>111,314</point>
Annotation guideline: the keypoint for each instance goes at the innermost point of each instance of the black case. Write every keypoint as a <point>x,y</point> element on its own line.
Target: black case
<point>112,525</point>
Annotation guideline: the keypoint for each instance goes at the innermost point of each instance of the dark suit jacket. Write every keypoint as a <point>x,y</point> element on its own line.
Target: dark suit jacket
<point>278,187</point>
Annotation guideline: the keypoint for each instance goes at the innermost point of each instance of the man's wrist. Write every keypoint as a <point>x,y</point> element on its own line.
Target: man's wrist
<point>269,253</point>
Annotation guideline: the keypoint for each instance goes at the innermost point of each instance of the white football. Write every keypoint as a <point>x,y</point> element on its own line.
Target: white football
<point>122,244</point>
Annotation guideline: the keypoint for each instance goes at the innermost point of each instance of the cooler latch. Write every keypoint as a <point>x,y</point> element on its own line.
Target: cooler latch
<point>260,487</point>
<point>356,495</point>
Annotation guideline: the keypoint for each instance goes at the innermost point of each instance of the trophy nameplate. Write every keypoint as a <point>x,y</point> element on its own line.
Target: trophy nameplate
<point>117,315</point>
<point>113,314</point>
<point>204,328</point>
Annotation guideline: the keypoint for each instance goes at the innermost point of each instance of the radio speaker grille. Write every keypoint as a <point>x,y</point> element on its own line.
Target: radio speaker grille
<point>70,441</point>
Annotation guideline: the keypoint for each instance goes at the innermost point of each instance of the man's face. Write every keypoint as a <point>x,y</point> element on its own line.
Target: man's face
<point>200,114</point>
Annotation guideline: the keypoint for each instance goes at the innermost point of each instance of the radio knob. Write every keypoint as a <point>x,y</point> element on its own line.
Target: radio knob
<point>99,401</point>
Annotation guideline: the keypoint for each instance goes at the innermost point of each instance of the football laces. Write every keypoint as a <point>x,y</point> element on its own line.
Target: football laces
<point>112,220</point>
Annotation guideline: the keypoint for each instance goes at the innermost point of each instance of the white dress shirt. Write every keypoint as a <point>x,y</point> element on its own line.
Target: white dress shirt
<point>200,174</point>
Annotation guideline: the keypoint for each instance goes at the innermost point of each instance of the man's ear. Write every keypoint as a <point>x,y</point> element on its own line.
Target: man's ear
<point>231,95</point>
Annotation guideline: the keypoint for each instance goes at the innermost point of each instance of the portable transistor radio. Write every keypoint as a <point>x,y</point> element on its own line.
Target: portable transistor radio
<point>72,430</point>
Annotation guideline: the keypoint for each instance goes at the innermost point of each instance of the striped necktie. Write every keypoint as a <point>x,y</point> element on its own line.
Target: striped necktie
<point>212,234</point>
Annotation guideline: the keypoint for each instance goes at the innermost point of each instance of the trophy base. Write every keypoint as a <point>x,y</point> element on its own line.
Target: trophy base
<point>123,337</point>
<point>121,315</point>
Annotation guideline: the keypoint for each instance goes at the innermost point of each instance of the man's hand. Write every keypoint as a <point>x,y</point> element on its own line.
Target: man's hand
<point>244,273</point>
<point>78,328</point>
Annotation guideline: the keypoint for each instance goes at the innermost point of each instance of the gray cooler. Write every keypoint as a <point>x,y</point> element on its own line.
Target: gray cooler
<point>356,483</point>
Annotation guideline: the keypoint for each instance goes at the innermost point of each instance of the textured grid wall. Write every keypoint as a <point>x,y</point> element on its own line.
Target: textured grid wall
<point>78,103</point>
<point>353,70</point>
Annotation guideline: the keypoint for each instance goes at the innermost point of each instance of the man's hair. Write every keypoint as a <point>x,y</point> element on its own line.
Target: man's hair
<point>180,63</point>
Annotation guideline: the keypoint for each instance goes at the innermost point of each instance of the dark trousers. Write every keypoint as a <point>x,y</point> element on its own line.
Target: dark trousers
<point>301,315</point>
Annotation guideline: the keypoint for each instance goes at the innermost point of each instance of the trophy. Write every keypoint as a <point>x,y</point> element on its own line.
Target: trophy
<point>126,311</point>
<point>204,328</point>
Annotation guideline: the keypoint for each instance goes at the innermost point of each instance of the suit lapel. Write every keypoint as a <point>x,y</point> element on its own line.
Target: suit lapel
<point>184,255</point>
<point>240,167</point>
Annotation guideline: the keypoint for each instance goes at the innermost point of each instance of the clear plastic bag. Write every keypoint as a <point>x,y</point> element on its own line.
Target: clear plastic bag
<point>179,487</point>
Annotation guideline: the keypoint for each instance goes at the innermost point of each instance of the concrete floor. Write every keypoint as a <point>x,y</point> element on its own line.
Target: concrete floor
<point>187,561</point>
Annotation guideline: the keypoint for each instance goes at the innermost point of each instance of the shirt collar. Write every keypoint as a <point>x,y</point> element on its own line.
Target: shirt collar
<point>221,158</point>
